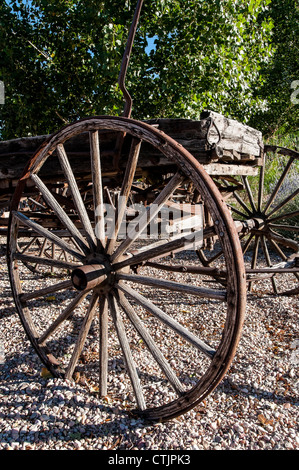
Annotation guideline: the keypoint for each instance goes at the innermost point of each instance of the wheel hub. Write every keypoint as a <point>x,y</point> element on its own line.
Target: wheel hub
<point>89,276</point>
<point>95,274</point>
<point>260,222</point>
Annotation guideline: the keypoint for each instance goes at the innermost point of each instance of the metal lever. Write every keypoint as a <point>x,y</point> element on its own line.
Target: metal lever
<point>126,59</point>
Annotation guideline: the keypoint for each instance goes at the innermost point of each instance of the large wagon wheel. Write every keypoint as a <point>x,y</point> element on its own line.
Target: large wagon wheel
<point>177,337</point>
<point>268,220</point>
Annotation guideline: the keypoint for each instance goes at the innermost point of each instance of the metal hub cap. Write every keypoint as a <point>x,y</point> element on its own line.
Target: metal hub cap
<point>89,277</point>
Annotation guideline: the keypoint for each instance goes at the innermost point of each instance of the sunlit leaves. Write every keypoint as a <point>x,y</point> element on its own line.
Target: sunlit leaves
<point>209,50</point>
<point>280,114</point>
<point>60,60</point>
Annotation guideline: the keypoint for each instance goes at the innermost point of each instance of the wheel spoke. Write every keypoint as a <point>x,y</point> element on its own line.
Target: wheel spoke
<point>278,184</point>
<point>237,211</point>
<point>239,200</point>
<point>284,202</point>
<point>121,333</point>
<point>202,257</point>
<point>97,187</point>
<point>249,193</point>
<point>67,312</point>
<point>268,261</point>
<point>287,242</point>
<point>289,215</point>
<point>44,261</point>
<point>174,286</point>
<point>277,248</point>
<point>43,248</point>
<point>103,345</point>
<point>82,335</point>
<point>247,243</point>
<point>167,320</point>
<point>47,234</point>
<point>45,291</point>
<point>151,345</point>
<point>65,164</point>
<point>254,257</point>
<point>261,188</point>
<point>287,228</point>
<point>148,215</point>
<point>157,250</point>
<point>63,217</point>
<point>207,261</point>
<point>255,252</point>
<point>29,245</point>
<point>213,258</point>
<point>125,192</point>
<point>279,251</point>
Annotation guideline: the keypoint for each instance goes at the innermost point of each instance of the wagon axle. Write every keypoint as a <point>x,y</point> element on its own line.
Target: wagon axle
<point>89,277</point>
<point>98,273</point>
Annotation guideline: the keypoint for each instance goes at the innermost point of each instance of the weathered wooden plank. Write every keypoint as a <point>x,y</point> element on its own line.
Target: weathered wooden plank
<point>223,169</point>
<point>239,143</point>
<point>234,135</point>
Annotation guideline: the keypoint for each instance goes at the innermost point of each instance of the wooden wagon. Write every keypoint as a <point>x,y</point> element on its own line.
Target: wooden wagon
<point>125,249</point>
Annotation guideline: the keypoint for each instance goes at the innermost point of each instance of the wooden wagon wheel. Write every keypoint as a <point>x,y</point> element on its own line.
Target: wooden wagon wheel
<point>269,225</point>
<point>175,337</point>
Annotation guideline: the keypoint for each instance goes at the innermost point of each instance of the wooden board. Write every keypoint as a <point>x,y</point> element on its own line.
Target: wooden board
<point>212,140</point>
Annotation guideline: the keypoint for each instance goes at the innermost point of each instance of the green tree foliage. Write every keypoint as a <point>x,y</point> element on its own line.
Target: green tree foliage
<point>60,60</point>
<point>207,55</point>
<point>282,74</point>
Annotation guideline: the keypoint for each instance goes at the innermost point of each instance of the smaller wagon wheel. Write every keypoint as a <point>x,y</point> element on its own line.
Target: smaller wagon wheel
<point>125,308</point>
<point>268,222</point>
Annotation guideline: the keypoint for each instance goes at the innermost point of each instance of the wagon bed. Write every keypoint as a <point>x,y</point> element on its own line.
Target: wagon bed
<point>223,146</point>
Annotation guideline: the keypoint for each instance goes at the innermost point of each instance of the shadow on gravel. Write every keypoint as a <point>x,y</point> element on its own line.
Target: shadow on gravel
<point>42,413</point>
<point>236,391</point>
<point>27,399</point>
<point>19,390</point>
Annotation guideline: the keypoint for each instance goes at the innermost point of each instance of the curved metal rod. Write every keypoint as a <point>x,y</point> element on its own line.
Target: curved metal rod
<point>126,59</point>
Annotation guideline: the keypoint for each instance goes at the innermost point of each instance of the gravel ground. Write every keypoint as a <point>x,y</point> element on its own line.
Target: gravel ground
<point>254,408</point>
